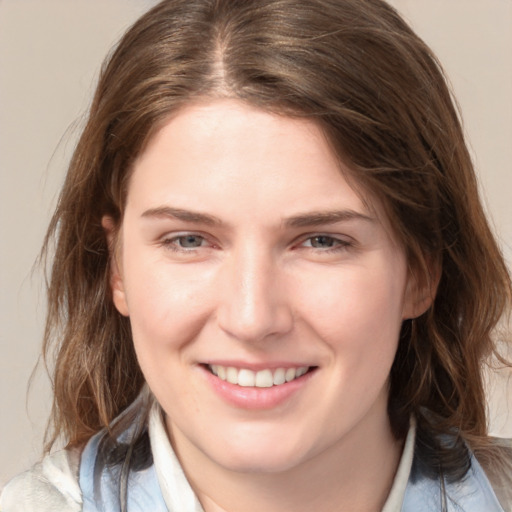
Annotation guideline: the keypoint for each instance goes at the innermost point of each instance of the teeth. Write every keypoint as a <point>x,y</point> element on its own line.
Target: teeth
<point>301,371</point>
<point>221,372</point>
<point>246,378</point>
<point>232,375</point>
<point>290,374</point>
<point>279,376</point>
<point>262,379</point>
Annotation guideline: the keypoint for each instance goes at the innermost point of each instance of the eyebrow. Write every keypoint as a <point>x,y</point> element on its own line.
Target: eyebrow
<point>312,219</point>
<point>309,219</point>
<point>184,215</point>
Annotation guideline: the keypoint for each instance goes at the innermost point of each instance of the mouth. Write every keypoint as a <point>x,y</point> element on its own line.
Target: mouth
<point>264,378</point>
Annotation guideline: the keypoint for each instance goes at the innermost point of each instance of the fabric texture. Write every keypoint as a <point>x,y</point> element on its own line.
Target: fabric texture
<point>64,481</point>
<point>50,486</point>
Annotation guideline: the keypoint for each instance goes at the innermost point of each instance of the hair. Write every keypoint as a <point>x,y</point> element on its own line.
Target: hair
<point>357,70</point>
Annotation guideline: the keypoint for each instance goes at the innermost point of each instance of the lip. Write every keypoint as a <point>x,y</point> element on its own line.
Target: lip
<point>255,367</point>
<point>253,398</point>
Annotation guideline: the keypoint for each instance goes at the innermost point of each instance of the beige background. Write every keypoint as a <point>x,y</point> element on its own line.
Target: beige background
<point>50,55</point>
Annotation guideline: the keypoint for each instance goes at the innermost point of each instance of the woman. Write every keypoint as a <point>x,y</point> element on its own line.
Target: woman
<point>274,285</point>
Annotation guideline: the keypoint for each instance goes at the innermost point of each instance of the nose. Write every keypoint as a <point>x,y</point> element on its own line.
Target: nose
<point>253,304</point>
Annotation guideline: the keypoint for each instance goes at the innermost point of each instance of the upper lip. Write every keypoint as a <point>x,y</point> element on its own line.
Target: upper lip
<point>267,365</point>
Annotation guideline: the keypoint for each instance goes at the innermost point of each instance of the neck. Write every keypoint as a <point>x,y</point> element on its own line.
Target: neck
<point>355,474</point>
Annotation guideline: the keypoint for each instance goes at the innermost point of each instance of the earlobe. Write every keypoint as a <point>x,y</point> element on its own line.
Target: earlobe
<point>116,277</point>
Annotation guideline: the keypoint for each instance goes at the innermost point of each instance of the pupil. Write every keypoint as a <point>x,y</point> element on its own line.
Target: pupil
<point>322,241</point>
<point>190,241</point>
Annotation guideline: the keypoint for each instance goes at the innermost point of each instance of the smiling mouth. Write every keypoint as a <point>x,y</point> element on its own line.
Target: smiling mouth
<point>265,378</point>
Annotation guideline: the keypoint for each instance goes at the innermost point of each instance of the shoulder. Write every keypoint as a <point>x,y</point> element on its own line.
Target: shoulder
<point>50,485</point>
<point>497,465</point>
<point>479,481</point>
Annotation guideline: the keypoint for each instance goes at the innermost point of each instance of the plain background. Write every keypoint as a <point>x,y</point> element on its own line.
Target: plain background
<point>50,56</point>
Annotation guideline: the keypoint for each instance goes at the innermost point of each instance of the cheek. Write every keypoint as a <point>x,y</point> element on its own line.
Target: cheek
<point>167,305</point>
<point>361,306</point>
<point>167,312</point>
<point>358,316</point>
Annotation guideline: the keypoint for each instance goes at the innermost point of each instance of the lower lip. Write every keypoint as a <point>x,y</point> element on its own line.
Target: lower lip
<point>253,397</point>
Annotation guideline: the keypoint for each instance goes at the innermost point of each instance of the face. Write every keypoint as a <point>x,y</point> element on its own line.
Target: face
<point>265,297</point>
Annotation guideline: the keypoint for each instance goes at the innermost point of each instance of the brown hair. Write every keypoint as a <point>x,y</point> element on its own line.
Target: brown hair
<point>378,92</point>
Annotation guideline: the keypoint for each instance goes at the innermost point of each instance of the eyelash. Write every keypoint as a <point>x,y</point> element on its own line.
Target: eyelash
<point>338,245</point>
<point>171,243</point>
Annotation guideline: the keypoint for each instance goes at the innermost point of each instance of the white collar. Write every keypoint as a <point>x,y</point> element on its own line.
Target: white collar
<point>176,491</point>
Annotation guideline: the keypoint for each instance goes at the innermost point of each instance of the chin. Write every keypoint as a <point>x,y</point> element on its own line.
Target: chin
<point>260,462</point>
<point>259,453</point>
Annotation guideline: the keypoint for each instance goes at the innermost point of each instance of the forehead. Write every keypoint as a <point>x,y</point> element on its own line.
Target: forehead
<point>237,157</point>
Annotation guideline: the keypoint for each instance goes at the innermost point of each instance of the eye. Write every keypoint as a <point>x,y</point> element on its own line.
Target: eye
<point>189,241</point>
<point>324,242</point>
<point>185,242</point>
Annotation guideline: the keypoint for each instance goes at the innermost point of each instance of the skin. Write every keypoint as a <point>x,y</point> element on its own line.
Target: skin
<point>251,286</point>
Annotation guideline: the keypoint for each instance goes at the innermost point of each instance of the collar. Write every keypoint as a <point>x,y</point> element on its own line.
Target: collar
<point>176,491</point>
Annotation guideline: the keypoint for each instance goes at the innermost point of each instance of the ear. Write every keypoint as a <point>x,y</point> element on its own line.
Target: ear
<point>116,277</point>
<point>421,290</point>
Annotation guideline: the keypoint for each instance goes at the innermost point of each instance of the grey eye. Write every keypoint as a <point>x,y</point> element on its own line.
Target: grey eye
<point>322,241</point>
<point>190,241</point>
